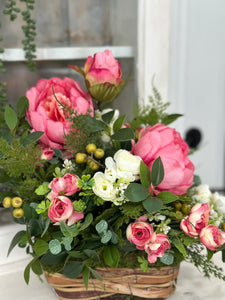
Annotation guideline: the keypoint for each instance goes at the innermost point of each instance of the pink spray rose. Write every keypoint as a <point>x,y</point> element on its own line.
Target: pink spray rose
<point>212,237</point>
<point>139,233</point>
<point>45,113</point>
<point>60,209</point>
<point>167,143</point>
<point>198,219</point>
<point>157,246</point>
<point>66,185</point>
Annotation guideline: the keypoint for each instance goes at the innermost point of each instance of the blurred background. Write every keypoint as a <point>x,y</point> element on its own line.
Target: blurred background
<point>180,42</point>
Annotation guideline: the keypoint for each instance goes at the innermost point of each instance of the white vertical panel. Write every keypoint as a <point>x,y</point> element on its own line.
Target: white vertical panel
<point>153,46</point>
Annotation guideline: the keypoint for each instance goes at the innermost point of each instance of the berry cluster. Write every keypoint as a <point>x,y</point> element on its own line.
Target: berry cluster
<point>182,208</point>
<point>17,203</point>
<point>94,153</point>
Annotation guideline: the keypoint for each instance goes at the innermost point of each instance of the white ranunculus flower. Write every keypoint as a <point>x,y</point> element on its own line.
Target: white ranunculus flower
<point>110,171</point>
<point>127,164</point>
<point>202,193</point>
<point>219,202</point>
<point>103,187</point>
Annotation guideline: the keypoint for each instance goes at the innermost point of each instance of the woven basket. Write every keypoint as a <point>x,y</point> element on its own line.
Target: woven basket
<point>155,284</point>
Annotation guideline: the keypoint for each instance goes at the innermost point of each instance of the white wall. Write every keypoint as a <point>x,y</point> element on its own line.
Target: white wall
<point>197,77</point>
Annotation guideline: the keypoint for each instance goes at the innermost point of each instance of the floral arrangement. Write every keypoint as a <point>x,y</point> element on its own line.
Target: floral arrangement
<point>93,189</point>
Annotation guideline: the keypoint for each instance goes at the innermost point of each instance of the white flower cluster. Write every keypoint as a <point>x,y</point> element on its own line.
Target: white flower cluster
<point>162,227</point>
<point>120,170</point>
<point>216,201</point>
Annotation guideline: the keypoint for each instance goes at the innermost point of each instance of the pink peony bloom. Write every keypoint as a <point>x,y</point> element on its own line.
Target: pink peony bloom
<point>60,209</point>
<point>167,143</point>
<point>198,219</point>
<point>157,246</point>
<point>45,113</point>
<point>66,185</point>
<point>139,233</point>
<point>212,237</point>
<point>102,68</point>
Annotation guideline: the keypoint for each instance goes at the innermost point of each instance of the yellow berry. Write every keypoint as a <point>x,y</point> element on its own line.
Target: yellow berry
<point>185,208</point>
<point>179,214</point>
<point>178,205</point>
<point>93,166</point>
<point>81,158</point>
<point>223,226</point>
<point>99,153</point>
<point>18,213</point>
<point>91,148</point>
<point>17,202</point>
<point>7,202</point>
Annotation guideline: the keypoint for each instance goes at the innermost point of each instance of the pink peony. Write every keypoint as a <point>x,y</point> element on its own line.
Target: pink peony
<point>167,143</point>
<point>60,209</point>
<point>198,219</point>
<point>102,68</point>
<point>45,113</point>
<point>212,237</point>
<point>66,185</point>
<point>139,233</point>
<point>157,246</point>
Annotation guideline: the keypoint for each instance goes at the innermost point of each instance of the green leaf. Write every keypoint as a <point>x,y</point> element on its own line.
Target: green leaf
<point>10,117</point>
<point>95,274</point>
<point>136,192</point>
<point>55,246</point>
<point>197,180</point>
<point>87,222</point>
<point>167,259</point>
<point>145,175</point>
<point>86,274</point>
<point>111,256</point>
<point>46,225</point>
<point>107,118</point>
<point>93,125</point>
<point>32,137</point>
<point>209,254</point>
<point>67,241</point>
<point>50,259</point>
<point>65,229</point>
<point>42,189</point>
<point>167,197</point>
<point>73,269</point>
<point>36,268</point>
<point>16,239</point>
<point>157,172</point>
<point>106,237</point>
<point>76,254</point>
<point>34,227</point>
<point>152,204</point>
<point>170,118</point>
<point>21,106</point>
<point>223,255</point>
<point>92,254</point>
<point>102,226</point>
<point>177,243</point>
<point>118,123</point>
<point>26,273</point>
<point>124,134</point>
<point>153,117</point>
<point>40,247</point>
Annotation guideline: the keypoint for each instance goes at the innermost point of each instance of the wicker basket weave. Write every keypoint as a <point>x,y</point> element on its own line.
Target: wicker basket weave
<point>155,284</point>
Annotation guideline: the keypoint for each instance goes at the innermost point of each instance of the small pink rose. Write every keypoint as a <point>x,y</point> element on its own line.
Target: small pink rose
<point>163,141</point>
<point>157,247</point>
<point>66,185</point>
<point>198,218</point>
<point>60,209</point>
<point>212,237</point>
<point>139,233</point>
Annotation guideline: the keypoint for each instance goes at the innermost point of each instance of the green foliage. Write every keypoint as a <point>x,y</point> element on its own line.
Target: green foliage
<point>154,112</point>
<point>144,265</point>
<point>29,28</point>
